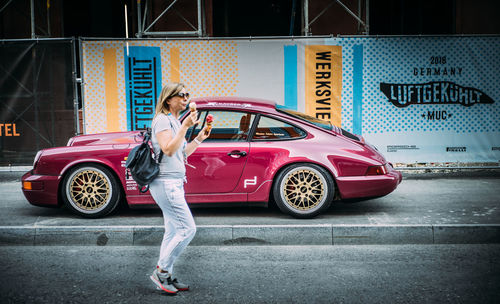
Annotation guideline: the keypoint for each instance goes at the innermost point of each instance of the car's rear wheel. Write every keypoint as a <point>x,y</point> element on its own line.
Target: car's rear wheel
<point>303,190</point>
<point>90,191</point>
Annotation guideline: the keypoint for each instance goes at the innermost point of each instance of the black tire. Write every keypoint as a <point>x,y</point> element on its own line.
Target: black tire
<point>303,190</point>
<point>90,190</point>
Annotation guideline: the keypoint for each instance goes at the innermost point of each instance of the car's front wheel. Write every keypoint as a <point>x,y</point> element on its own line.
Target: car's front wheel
<point>90,191</point>
<point>303,190</point>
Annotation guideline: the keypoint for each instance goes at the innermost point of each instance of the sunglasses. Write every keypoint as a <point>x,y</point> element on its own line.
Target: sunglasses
<point>183,95</point>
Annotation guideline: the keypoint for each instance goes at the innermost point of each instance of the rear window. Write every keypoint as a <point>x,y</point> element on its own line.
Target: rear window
<point>349,135</point>
<point>316,121</point>
<point>310,119</point>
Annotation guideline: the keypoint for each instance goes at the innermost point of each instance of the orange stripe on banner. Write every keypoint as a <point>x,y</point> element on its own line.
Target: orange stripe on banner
<point>175,75</point>
<point>323,87</point>
<point>111,90</point>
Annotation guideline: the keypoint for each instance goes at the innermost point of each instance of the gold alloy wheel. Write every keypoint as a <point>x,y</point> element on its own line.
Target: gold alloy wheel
<point>89,189</point>
<point>304,189</point>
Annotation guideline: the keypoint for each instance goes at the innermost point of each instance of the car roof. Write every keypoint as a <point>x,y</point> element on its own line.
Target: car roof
<point>235,103</point>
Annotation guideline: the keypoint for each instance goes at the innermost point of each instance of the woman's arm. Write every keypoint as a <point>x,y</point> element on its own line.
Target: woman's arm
<point>169,144</point>
<point>191,147</point>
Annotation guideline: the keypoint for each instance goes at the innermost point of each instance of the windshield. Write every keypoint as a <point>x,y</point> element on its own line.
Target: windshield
<point>316,121</point>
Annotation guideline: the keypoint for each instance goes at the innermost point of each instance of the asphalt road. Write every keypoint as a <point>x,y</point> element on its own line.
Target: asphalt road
<point>432,199</point>
<point>261,274</point>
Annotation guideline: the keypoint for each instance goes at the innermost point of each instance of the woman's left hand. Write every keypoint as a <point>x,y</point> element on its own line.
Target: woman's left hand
<point>193,145</point>
<point>204,133</point>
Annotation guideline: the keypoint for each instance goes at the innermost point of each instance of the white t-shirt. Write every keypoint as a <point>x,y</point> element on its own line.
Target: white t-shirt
<point>170,166</point>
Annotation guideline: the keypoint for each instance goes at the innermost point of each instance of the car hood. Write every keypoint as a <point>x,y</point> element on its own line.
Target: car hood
<point>115,138</point>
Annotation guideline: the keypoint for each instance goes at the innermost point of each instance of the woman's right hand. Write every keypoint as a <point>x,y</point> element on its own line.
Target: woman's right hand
<point>191,120</point>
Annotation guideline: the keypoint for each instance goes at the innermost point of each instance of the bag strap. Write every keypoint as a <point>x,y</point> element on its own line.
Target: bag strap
<point>147,138</point>
<point>171,128</point>
<point>160,157</point>
<point>149,133</point>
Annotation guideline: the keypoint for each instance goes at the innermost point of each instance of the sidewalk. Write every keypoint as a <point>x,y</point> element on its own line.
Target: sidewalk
<point>425,209</point>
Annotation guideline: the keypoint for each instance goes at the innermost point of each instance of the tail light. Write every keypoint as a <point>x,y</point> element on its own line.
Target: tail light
<point>377,170</point>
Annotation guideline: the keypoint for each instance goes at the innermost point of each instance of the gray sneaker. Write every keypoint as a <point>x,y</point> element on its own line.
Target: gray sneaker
<point>180,286</point>
<point>163,282</point>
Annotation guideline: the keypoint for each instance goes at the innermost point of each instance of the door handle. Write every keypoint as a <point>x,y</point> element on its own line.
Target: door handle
<point>237,153</point>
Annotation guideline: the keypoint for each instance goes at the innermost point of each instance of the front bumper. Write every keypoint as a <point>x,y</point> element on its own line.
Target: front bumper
<point>43,190</point>
<point>368,186</point>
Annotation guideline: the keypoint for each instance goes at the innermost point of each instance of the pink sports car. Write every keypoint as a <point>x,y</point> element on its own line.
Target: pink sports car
<point>257,152</point>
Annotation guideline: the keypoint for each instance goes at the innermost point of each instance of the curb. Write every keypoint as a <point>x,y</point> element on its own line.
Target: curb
<point>15,168</point>
<point>238,235</point>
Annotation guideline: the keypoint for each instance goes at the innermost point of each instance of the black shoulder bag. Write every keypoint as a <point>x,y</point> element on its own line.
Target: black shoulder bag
<point>141,164</point>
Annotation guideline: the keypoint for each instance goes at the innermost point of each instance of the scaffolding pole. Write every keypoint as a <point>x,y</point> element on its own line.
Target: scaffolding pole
<point>76,81</point>
<point>32,14</point>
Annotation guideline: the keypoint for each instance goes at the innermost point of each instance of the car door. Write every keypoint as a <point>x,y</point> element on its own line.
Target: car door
<point>272,145</point>
<point>217,165</point>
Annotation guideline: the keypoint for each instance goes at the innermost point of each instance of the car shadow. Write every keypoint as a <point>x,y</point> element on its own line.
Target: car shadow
<point>339,209</point>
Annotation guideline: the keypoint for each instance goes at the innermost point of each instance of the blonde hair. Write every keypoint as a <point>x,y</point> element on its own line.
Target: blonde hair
<point>168,91</point>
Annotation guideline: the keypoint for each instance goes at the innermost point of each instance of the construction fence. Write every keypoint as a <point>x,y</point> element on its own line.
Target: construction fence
<point>417,99</point>
<point>37,96</point>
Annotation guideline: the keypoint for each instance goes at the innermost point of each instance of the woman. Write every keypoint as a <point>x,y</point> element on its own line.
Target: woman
<point>168,134</point>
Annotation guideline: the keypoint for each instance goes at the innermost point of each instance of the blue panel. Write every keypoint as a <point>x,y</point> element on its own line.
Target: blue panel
<point>357,105</point>
<point>290,57</point>
<point>142,84</point>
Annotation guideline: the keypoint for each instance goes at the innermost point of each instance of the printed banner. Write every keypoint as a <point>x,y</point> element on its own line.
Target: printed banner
<point>425,99</point>
<point>417,99</point>
<point>143,85</point>
<point>324,82</point>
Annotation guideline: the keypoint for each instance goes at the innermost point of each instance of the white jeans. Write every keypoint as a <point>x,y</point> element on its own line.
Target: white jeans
<point>180,227</point>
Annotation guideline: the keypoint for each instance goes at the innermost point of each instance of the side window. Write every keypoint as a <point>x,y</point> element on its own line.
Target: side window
<point>227,125</point>
<point>272,129</point>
